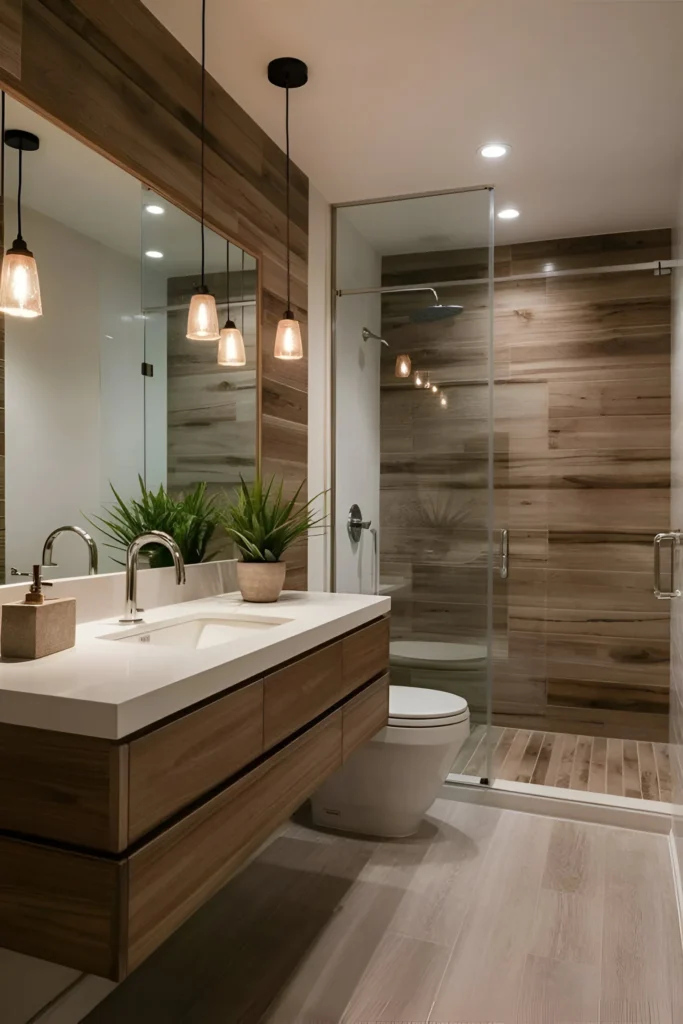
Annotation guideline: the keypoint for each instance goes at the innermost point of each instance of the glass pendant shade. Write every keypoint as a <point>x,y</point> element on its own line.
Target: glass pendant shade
<point>19,284</point>
<point>231,346</point>
<point>288,344</point>
<point>202,319</point>
<point>403,366</point>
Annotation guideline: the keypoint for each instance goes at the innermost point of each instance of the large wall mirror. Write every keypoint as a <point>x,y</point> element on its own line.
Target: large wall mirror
<point>104,388</point>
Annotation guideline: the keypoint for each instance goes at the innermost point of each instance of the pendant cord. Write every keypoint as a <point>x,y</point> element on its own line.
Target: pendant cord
<point>227,274</point>
<point>289,301</point>
<point>203,130</point>
<point>242,292</point>
<point>21,181</point>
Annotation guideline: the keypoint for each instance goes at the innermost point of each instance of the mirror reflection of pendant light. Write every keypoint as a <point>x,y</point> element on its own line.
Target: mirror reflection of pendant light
<point>202,319</point>
<point>434,389</point>
<point>426,383</point>
<point>288,73</point>
<point>231,345</point>
<point>403,366</point>
<point>19,284</point>
<point>443,400</point>
<point>418,379</point>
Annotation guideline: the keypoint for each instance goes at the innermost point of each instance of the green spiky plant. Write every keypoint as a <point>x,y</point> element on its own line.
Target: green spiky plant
<point>190,519</point>
<point>263,525</point>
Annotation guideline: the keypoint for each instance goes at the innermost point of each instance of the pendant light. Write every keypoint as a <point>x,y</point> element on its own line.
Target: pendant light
<point>403,366</point>
<point>418,378</point>
<point>202,319</point>
<point>19,284</point>
<point>231,344</point>
<point>288,73</point>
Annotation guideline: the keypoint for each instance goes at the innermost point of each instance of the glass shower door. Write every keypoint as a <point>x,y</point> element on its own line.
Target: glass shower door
<point>413,446</point>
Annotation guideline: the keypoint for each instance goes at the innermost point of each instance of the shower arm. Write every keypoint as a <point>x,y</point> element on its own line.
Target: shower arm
<point>388,289</point>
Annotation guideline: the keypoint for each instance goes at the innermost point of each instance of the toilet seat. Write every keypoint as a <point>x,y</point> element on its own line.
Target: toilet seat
<point>418,707</point>
<point>436,654</point>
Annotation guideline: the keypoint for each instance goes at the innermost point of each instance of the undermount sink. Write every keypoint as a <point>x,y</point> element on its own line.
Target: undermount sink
<point>196,633</point>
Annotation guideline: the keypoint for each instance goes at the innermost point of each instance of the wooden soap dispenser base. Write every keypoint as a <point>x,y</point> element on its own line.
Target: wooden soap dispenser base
<point>36,627</point>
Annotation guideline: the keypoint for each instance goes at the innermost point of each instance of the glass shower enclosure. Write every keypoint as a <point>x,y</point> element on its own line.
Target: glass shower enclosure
<point>413,464</point>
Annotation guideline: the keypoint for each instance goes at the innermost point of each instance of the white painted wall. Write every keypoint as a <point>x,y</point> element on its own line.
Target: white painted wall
<point>74,398</point>
<point>356,406</point>
<point>319,384</point>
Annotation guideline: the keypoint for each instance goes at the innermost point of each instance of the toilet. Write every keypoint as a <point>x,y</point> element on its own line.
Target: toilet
<point>386,786</point>
<point>459,668</point>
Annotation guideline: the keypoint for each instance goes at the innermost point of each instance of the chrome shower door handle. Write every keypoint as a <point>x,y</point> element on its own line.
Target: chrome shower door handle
<point>674,539</point>
<point>504,554</point>
<point>375,560</point>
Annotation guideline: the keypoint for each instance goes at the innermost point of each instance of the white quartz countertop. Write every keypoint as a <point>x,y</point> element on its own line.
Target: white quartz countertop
<point>111,689</point>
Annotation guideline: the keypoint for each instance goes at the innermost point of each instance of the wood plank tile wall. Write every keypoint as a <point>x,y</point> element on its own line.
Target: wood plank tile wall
<point>110,73</point>
<point>582,466</point>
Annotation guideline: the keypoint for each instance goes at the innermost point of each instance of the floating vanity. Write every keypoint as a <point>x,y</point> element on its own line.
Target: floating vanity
<point>140,769</point>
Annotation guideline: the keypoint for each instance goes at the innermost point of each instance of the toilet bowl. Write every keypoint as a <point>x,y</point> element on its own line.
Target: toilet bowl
<point>386,786</point>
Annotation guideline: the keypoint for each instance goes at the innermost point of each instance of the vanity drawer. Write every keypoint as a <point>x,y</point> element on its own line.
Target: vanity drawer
<point>172,766</point>
<point>365,715</point>
<point>174,874</point>
<point>298,693</point>
<point>365,654</point>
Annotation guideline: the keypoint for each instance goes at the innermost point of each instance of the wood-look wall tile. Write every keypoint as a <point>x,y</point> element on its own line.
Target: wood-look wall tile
<point>593,432</point>
<point>608,550</point>
<point>10,36</point>
<point>650,396</point>
<point>607,469</point>
<point>591,251</point>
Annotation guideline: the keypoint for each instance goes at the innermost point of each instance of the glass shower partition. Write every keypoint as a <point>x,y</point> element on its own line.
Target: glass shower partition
<point>413,445</point>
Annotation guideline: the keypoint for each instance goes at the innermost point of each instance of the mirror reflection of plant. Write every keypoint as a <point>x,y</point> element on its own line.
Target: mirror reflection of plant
<point>263,524</point>
<point>191,519</point>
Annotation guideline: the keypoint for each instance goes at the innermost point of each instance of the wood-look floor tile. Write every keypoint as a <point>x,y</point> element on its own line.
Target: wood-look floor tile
<point>566,765</point>
<point>502,750</point>
<point>615,767</point>
<point>557,992</point>
<point>631,770</point>
<point>482,979</point>
<point>663,770</point>
<point>568,927</point>
<point>649,783</point>
<point>555,759</point>
<point>642,965</point>
<point>530,757</point>
<point>576,859</point>
<point>510,766</point>
<point>475,737</point>
<point>582,759</point>
<point>538,776</point>
<point>400,981</point>
<point>597,775</point>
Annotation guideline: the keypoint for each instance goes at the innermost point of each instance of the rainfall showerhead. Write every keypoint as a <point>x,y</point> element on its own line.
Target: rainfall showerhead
<point>432,314</point>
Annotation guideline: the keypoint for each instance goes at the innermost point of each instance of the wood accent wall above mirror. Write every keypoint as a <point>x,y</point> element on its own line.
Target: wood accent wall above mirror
<point>113,77</point>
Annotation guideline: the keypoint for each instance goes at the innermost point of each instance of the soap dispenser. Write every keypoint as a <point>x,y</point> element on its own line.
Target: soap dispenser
<point>36,626</point>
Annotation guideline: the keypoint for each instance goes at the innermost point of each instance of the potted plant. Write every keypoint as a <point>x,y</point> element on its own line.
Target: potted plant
<point>190,519</point>
<point>263,525</point>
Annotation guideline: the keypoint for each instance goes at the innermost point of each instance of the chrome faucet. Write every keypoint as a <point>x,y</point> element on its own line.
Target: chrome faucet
<point>92,547</point>
<point>132,612</point>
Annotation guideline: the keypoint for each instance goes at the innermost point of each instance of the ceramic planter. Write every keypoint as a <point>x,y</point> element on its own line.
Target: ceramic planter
<point>261,582</point>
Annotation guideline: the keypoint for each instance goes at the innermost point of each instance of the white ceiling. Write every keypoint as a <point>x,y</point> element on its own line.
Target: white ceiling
<point>402,93</point>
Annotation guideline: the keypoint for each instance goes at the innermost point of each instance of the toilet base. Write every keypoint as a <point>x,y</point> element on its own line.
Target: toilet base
<point>365,821</point>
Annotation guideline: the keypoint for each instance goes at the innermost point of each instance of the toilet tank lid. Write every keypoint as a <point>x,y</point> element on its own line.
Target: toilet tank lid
<point>416,702</point>
<point>435,654</point>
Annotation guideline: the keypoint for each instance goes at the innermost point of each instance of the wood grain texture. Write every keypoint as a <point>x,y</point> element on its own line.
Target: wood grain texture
<point>176,764</point>
<point>60,786</point>
<point>298,693</point>
<point>365,654</point>
<point>60,906</point>
<point>111,74</point>
<point>174,874</point>
<point>10,37</point>
<point>581,470</point>
<point>364,715</point>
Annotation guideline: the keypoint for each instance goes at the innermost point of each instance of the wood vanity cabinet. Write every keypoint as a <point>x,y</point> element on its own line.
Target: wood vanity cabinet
<point>106,848</point>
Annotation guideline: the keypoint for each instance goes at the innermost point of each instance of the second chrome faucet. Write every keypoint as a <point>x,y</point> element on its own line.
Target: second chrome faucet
<point>132,612</point>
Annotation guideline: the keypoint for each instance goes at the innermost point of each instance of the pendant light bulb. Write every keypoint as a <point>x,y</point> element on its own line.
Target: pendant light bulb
<point>288,343</point>
<point>426,383</point>
<point>288,73</point>
<point>19,283</point>
<point>434,389</point>
<point>231,346</point>
<point>202,319</point>
<point>444,401</point>
<point>418,379</point>
<point>403,366</point>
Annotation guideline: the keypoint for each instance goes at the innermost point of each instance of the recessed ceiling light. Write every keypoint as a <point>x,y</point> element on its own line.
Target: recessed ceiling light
<point>494,150</point>
<point>508,213</point>
<point>152,208</point>
<point>154,254</point>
